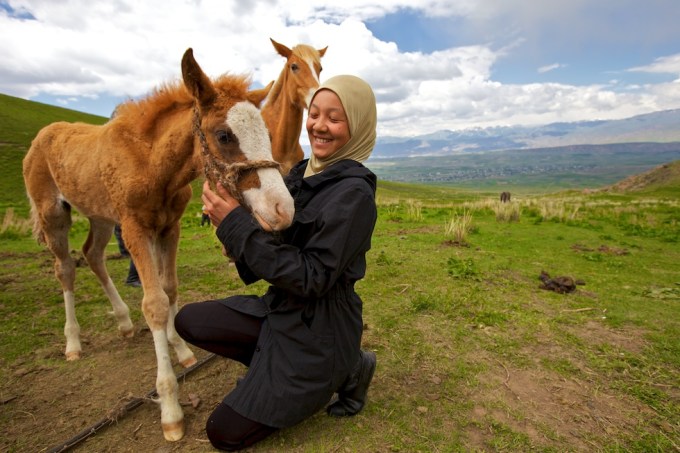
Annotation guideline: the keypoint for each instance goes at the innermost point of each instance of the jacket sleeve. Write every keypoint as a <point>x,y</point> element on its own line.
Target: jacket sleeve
<point>341,232</point>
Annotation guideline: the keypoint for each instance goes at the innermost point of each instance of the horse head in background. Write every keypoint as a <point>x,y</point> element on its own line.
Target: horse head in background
<point>135,170</point>
<point>289,97</point>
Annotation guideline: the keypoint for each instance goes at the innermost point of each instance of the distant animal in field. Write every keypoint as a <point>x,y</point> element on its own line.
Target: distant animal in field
<point>284,107</point>
<point>135,170</point>
<point>505,197</point>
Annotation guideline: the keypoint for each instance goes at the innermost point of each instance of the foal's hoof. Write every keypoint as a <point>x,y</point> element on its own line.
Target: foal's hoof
<point>173,431</point>
<point>73,355</point>
<point>127,333</point>
<point>191,361</point>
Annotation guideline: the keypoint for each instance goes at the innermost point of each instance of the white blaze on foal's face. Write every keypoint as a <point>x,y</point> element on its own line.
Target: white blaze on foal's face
<point>271,203</point>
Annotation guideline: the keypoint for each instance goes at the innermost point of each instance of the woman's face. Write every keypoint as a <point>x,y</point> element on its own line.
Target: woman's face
<point>327,124</point>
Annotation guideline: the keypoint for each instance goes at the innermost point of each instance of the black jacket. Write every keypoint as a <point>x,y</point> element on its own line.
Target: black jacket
<point>311,335</point>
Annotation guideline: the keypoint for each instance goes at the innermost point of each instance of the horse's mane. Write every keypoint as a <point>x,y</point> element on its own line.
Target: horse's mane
<point>169,96</point>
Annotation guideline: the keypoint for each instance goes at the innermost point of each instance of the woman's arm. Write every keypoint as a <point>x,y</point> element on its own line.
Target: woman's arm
<point>340,233</point>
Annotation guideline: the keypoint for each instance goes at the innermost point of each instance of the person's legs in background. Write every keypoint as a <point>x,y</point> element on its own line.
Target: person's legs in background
<point>118,233</point>
<point>133,277</point>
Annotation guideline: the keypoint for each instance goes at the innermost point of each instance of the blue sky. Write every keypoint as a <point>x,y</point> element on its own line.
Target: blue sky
<point>434,64</point>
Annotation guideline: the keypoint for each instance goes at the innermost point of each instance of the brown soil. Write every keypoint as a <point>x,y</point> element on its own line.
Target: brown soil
<point>52,404</point>
<point>542,404</point>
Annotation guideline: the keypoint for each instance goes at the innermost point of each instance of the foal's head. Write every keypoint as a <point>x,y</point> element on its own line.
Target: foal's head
<point>235,143</point>
<point>302,70</point>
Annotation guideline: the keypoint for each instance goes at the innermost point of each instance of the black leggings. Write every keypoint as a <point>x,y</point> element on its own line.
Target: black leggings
<point>219,329</point>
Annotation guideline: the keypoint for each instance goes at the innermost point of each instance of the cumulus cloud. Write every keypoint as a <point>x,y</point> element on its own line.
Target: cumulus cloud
<point>81,49</point>
<point>669,64</point>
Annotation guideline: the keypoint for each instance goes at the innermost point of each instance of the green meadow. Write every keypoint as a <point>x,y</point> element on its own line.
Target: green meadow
<point>473,354</point>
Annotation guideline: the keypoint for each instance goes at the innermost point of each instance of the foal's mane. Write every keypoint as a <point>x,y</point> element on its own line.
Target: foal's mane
<point>142,114</point>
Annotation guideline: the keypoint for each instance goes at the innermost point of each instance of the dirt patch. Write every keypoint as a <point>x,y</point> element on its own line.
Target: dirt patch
<point>543,405</point>
<point>49,401</point>
<point>453,243</point>
<point>626,340</point>
<point>606,249</point>
<point>426,229</point>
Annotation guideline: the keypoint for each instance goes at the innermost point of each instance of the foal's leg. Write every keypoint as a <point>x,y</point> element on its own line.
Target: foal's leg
<point>155,306</point>
<point>54,218</point>
<point>168,267</point>
<point>97,239</point>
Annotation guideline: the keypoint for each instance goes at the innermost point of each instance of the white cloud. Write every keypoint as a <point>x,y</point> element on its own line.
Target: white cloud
<point>669,64</point>
<point>550,67</point>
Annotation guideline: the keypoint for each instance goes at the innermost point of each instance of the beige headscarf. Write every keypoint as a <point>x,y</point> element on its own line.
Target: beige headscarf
<point>358,100</point>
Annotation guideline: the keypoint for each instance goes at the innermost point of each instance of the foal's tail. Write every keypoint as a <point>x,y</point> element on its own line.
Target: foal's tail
<point>59,212</point>
<point>38,233</point>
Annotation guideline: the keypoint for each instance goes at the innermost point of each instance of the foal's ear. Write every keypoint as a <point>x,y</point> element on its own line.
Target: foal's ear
<point>322,52</point>
<point>282,50</point>
<point>198,84</point>
<point>257,96</point>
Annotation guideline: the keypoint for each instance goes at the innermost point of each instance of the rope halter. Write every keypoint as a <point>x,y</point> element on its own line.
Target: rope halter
<point>226,173</point>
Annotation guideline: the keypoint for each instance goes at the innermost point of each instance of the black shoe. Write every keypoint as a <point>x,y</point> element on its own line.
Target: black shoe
<point>352,394</point>
<point>135,283</point>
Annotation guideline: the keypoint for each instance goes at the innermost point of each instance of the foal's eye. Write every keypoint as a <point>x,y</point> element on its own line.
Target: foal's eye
<point>223,137</point>
<point>294,67</point>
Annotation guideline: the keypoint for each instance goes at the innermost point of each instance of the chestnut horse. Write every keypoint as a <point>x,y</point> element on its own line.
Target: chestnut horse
<point>135,170</point>
<point>289,97</point>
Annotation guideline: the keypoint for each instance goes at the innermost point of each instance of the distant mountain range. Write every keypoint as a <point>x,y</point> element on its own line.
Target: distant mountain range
<point>586,154</point>
<point>659,127</point>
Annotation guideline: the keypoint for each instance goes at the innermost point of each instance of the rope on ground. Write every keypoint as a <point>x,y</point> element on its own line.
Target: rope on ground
<point>132,404</point>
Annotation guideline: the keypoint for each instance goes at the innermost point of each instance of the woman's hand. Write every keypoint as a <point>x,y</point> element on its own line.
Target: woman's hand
<point>218,203</point>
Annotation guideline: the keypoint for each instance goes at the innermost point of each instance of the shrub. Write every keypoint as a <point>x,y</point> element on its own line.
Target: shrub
<point>13,226</point>
<point>507,212</point>
<point>414,210</point>
<point>461,268</point>
<point>459,227</point>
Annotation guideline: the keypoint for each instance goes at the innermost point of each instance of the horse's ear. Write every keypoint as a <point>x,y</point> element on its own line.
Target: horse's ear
<point>323,51</point>
<point>257,96</point>
<point>284,51</point>
<point>198,84</point>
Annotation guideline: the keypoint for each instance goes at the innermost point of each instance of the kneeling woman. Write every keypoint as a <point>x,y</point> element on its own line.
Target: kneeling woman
<point>301,340</point>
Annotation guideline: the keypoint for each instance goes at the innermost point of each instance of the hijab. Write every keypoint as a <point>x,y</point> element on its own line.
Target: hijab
<point>358,100</point>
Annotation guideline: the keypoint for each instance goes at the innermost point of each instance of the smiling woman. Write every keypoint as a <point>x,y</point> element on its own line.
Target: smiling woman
<point>342,123</point>
<point>327,125</point>
<point>301,340</point>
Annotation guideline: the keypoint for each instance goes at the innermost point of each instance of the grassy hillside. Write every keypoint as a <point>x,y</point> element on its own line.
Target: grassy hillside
<point>662,179</point>
<point>20,121</point>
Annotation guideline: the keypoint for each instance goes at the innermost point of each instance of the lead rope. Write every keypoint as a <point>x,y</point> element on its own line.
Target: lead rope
<point>225,173</point>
